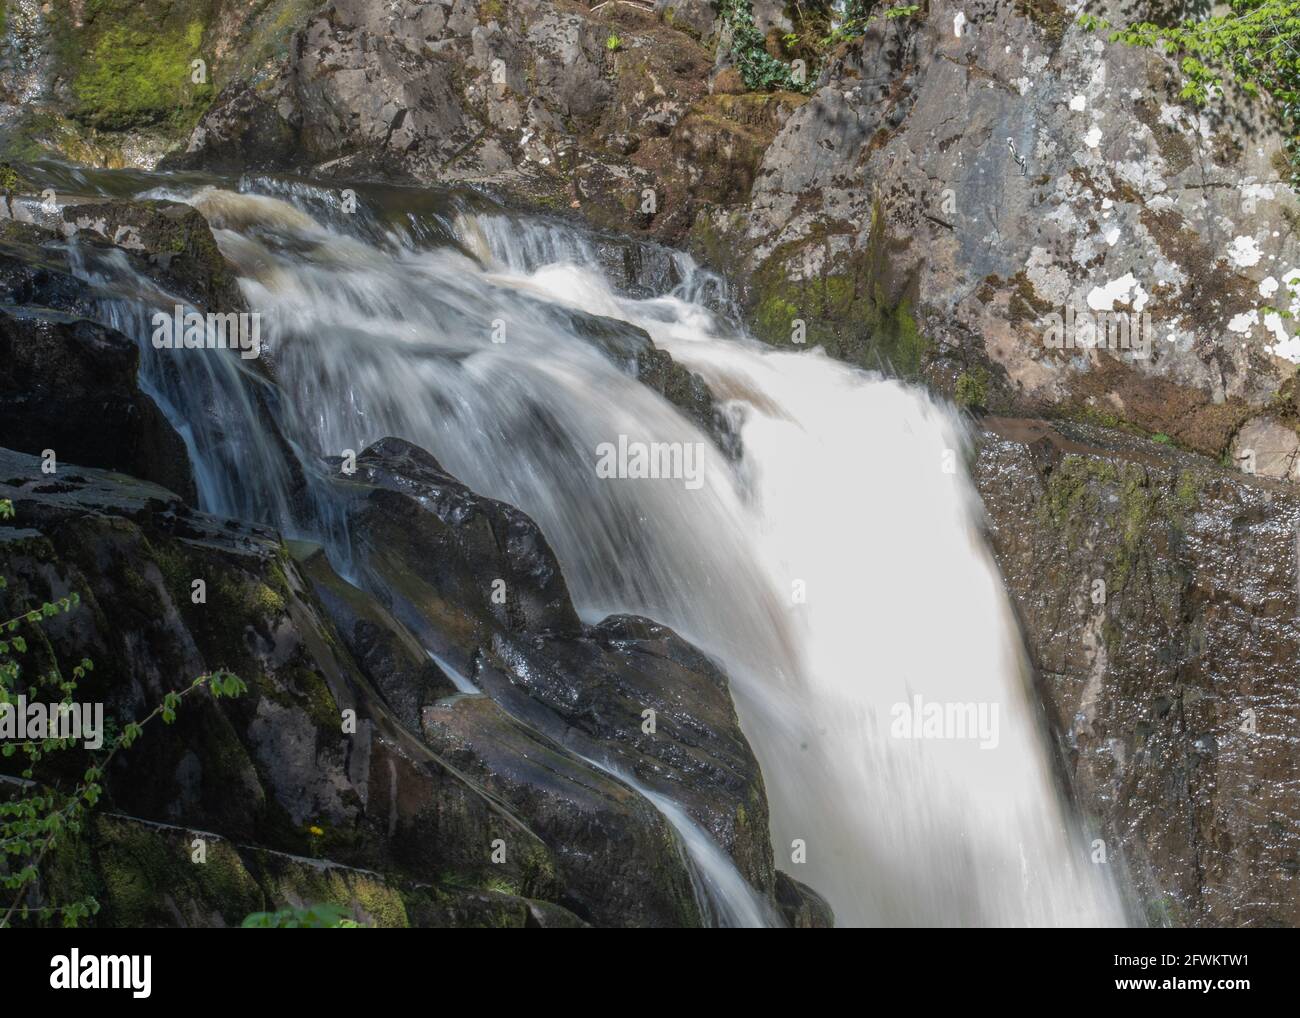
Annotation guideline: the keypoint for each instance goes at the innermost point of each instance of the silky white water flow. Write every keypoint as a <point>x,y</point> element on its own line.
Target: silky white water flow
<point>836,570</point>
<point>728,897</point>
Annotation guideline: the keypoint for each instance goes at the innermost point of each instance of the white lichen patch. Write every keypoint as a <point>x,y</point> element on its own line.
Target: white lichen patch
<point>1103,298</point>
<point>1050,281</point>
<point>1244,252</point>
<point>1093,138</point>
<point>1146,176</point>
<point>1287,349</point>
<point>1267,286</point>
<point>958,23</point>
<point>1079,103</point>
<point>1252,193</point>
<point>1273,322</point>
<point>1085,250</point>
<point>1244,322</point>
<point>1044,146</point>
<point>1172,116</point>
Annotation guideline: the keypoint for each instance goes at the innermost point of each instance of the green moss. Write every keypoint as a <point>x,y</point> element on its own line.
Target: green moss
<point>536,872</point>
<point>266,601</point>
<point>134,77</point>
<point>502,885</point>
<point>1068,492</point>
<point>972,389</point>
<point>1120,505</point>
<point>1187,494</point>
<point>775,317</point>
<point>855,310</point>
<point>381,903</point>
<point>145,873</point>
<point>836,315</point>
<point>1049,15</point>
<point>1087,414</point>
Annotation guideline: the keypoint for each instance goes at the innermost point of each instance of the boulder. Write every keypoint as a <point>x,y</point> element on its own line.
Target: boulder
<point>175,241</point>
<point>70,386</point>
<point>432,551</point>
<point>279,769</point>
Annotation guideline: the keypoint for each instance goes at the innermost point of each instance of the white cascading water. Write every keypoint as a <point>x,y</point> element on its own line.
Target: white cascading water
<point>851,489</point>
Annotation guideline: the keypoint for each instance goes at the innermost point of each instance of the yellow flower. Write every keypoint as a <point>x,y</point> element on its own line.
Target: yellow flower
<point>314,830</point>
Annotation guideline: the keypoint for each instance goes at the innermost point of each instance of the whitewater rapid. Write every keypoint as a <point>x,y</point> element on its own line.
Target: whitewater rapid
<point>836,569</point>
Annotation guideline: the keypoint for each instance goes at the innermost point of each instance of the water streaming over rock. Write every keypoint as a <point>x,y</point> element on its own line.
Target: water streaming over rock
<point>835,567</point>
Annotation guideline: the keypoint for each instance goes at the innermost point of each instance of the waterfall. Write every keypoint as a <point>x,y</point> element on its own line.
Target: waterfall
<point>835,568</point>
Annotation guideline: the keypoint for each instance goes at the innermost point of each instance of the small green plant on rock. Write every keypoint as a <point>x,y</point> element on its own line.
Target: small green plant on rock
<point>859,15</point>
<point>1254,43</point>
<point>613,44</point>
<point>763,72</point>
<point>760,70</point>
<point>37,812</point>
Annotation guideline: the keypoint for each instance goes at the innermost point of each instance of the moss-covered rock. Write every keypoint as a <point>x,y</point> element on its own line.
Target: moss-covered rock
<point>115,82</point>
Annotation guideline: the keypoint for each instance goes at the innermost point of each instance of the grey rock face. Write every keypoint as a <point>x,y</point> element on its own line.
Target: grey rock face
<point>997,164</point>
<point>523,96</point>
<point>1158,598</point>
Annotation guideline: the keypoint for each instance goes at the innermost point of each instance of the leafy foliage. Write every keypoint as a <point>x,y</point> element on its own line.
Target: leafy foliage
<point>762,72</point>
<point>860,14</point>
<point>39,815</point>
<point>1255,43</point>
<point>759,70</point>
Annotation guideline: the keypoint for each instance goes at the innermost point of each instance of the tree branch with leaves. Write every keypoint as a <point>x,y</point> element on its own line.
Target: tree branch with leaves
<point>36,819</point>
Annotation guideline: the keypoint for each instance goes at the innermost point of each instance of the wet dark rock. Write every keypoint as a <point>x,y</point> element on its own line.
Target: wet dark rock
<point>597,691</point>
<point>1171,689</point>
<point>632,349</point>
<point>174,239</point>
<point>615,852</point>
<point>384,649</point>
<point>347,746</point>
<point>34,270</point>
<point>453,560</point>
<point>801,906</point>
<point>274,769</point>
<point>431,549</point>
<point>70,386</point>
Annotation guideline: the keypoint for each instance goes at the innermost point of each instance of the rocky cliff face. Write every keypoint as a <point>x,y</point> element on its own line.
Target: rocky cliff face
<point>1158,597</point>
<point>995,164</point>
